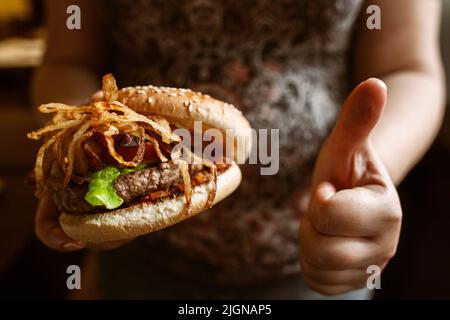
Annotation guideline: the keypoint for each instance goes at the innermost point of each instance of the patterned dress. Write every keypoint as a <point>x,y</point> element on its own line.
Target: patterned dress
<point>285,65</point>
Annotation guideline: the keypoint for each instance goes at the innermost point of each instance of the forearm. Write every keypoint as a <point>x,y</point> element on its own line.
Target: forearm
<point>63,83</point>
<point>405,54</point>
<point>411,120</point>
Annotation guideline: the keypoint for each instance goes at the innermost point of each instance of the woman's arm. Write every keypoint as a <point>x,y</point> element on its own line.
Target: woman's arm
<point>74,59</point>
<point>354,215</point>
<point>71,74</point>
<point>405,55</point>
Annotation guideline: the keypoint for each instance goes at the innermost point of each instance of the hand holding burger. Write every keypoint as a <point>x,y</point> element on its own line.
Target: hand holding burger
<point>111,171</point>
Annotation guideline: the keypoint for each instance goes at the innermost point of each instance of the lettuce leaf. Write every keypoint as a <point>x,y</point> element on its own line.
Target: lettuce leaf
<point>101,187</point>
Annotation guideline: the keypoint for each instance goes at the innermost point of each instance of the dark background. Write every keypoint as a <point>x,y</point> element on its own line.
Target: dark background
<point>421,269</point>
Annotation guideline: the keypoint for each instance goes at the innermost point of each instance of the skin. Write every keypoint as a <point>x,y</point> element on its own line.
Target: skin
<point>354,214</point>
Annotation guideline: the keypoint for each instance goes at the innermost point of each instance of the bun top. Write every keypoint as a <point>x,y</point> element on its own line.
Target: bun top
<point>184,106</point>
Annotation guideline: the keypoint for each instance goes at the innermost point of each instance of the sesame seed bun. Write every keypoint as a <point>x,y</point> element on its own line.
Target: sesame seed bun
<point>146,217</point>
<point>184,106</point>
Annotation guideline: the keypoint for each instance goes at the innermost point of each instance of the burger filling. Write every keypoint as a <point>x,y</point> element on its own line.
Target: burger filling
<point>145,185</point>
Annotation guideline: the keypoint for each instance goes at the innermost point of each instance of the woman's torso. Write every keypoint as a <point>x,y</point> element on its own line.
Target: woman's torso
<point>284,64</point>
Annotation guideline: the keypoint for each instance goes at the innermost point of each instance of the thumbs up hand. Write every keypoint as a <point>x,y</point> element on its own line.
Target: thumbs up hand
<point>354,216</point>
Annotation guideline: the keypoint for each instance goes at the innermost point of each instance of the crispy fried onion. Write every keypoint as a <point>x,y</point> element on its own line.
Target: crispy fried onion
<point>109,86</point>
<point>70,126</point>
<point>176,155</point>
<point>36,135</point>
<point>39,166</point>
<point>184,168</point>
<point>212,195</point>
<point>79,134</point>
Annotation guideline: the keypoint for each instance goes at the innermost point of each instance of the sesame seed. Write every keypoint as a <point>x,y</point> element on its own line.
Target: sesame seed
<point>172,94</point>
<point>150,100</point>
<point>186,103</point>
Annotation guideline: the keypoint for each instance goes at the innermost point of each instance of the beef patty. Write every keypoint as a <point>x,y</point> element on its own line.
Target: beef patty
<point>129,187</point>
<point>140,183</point>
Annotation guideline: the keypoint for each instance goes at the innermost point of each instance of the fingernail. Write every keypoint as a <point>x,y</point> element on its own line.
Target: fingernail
<point>327,191</point>
<point>379,81</point>
<point>73,245</point>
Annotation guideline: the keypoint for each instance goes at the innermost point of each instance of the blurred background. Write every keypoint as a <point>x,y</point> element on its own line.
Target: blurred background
<point>421,268</point>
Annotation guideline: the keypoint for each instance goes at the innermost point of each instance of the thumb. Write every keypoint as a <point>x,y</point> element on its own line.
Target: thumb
<point>359,114</point>
<point>325,191</point>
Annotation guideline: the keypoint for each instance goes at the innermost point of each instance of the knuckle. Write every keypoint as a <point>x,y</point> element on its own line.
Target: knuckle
<point>390,253</point>
<point>394,216</point>
<point>386,254</point>
<point>393,213</point>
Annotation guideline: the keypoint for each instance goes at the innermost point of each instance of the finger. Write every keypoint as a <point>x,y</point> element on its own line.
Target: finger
<point>336,253</point>
<point>359,114</point>
<point>332,277</point>
<point>48,229</point>
<point>358,212</point>
<point>331,290</point>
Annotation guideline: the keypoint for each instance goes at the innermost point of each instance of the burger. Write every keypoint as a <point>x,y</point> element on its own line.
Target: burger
<point>114,166</point>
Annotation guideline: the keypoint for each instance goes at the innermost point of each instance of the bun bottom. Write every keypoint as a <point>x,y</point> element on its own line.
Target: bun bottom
<point>146,217</point>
